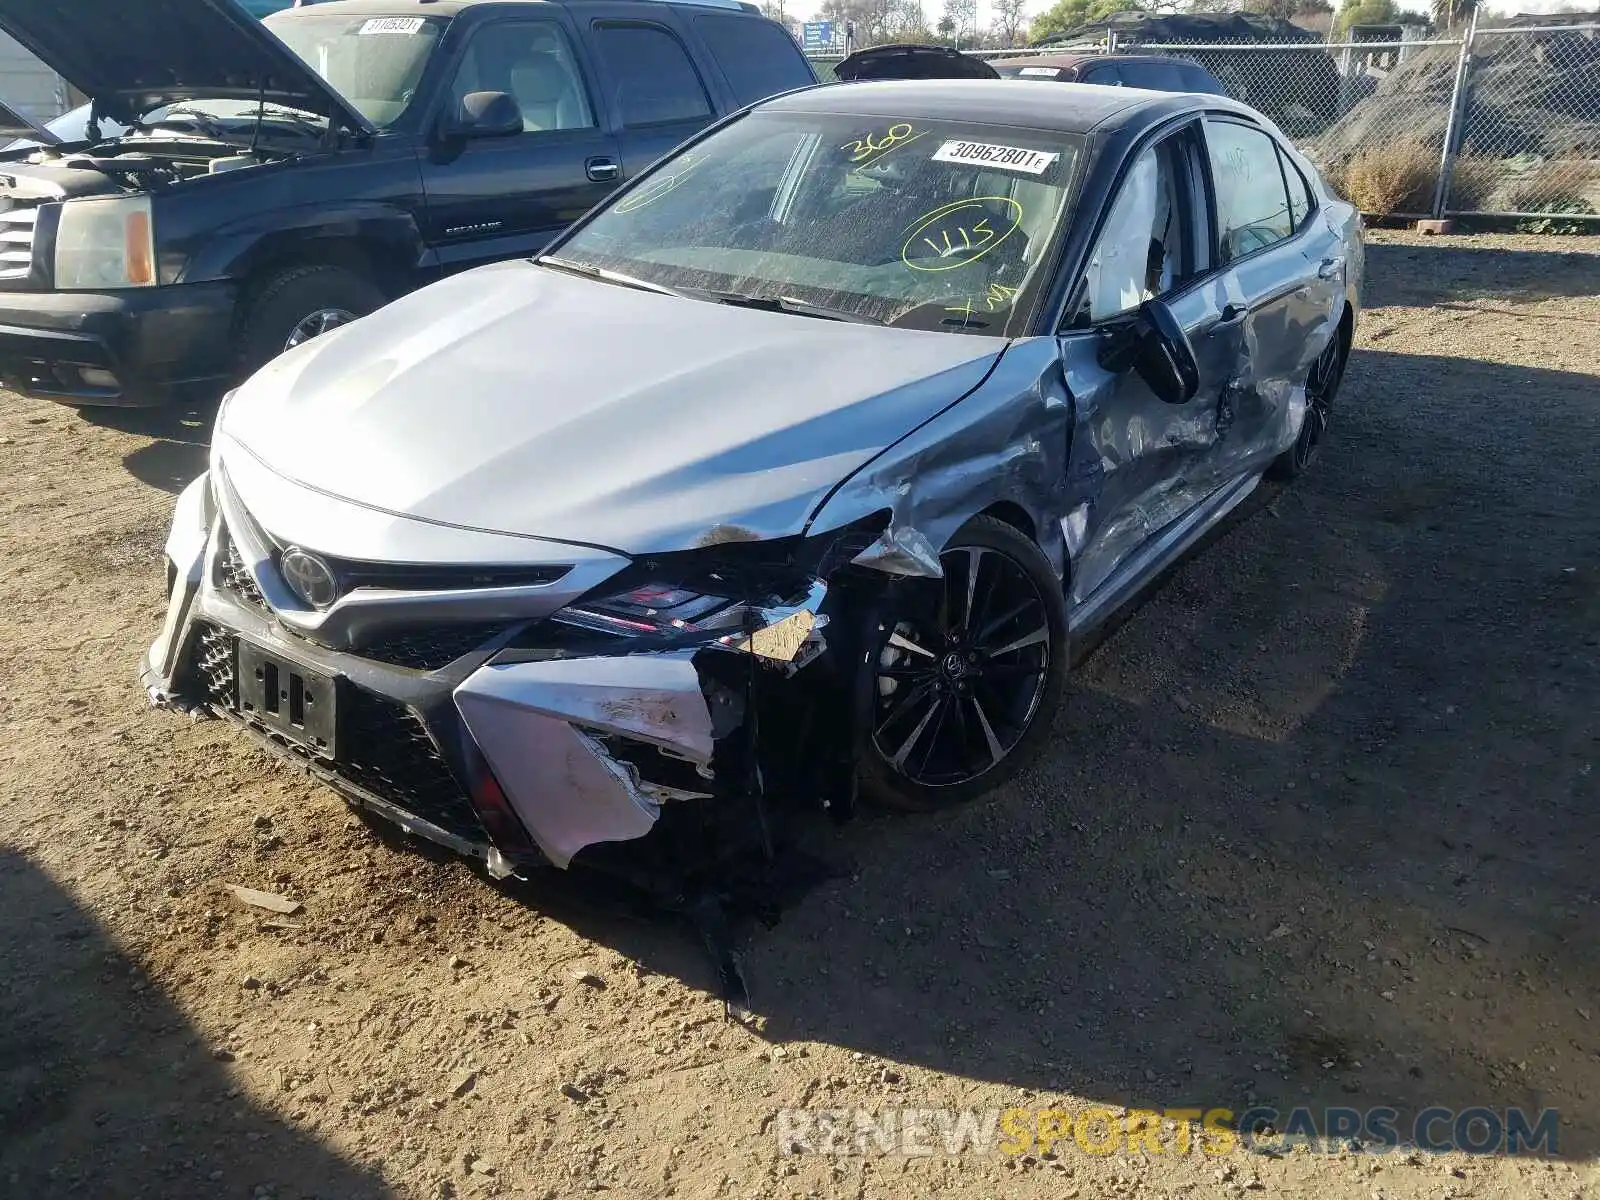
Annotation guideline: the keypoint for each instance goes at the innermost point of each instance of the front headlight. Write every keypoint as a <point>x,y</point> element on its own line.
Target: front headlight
<point>105,242</point>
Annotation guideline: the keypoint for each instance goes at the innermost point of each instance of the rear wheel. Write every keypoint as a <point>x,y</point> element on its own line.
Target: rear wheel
<point>1322,385</point>
<point>298,304</point>
<point>970,672</point>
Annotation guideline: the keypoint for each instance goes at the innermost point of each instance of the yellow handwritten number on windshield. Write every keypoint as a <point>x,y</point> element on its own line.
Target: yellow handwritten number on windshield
<point>660,186</point>
<point>959,233</point>
<point>871,147</point>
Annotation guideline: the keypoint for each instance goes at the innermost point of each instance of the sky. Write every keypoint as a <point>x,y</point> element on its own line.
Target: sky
<point>800,10</point>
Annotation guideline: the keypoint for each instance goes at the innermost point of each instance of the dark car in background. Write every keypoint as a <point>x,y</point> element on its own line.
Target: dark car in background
<point>914,61</point>
<point>242,186</point>
<point>1153,72</point>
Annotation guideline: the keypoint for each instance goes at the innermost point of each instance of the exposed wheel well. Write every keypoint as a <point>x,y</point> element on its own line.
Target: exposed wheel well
<point>369,260</point>
<point>1013,515</point>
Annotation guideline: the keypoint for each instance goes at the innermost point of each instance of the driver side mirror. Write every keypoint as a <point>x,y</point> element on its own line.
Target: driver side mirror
<point>486,115</point>
<point>1158,350</point>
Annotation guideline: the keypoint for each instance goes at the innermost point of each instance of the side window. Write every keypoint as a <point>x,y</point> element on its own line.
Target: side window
<point>533,63</point>
<point>1102,73</point>
<point>1299,191</point>
<point>1252,205</point>
<point>654,81</point>
<point>1157,76</point>
<point>758,57</point>
<point>1144,249</point>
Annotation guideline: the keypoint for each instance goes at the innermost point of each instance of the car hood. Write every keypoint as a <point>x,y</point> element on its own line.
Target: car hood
<point>130,58</point>
<point>15,118</point>
<point>516,399</point>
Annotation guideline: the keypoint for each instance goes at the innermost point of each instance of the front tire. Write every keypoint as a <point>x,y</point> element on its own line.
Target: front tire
<point>298,304</point>
<point>970,672</point>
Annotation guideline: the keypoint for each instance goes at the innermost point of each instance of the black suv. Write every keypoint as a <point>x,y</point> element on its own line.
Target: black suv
<point>265,183</point>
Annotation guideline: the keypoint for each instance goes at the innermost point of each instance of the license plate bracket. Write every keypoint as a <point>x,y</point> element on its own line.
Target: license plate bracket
<point>298,703</point>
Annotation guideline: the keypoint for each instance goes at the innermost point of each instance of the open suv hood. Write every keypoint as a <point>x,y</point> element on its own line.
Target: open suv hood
<point>912,62</point>
<point>129,57</point>
<point>16,119</point>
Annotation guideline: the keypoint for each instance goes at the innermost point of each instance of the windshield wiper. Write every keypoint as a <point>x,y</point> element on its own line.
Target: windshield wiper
<point>204,122</point>
<point>784,304</point>
<point>617,277</point>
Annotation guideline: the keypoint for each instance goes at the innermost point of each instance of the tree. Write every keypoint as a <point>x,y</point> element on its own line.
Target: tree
<point>1367,12</point>
<point>1287,10</point>
<point>1010,22</point>
<point>960,17</point>
<point>1447,14</point>
<point>1069,14</point>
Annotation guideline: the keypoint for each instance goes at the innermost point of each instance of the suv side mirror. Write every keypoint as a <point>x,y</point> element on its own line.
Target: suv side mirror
<point>487,115</point>
<point>1162,356</point>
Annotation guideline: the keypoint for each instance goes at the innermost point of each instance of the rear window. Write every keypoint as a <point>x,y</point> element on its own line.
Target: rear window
<point>1196,79</point>
<point>758,57</point>
<point>1157,76</point>
<point>1101,73</point>
<point>654,80</point>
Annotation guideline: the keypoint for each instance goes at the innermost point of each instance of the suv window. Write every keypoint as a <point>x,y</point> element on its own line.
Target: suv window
<point>758,57</point>
<point>1157,76</point>
<point>655,81</point>
<point>1145,248</point>
<point>532,62</point>
<point>1299,191</point>
<point>1252,205</point>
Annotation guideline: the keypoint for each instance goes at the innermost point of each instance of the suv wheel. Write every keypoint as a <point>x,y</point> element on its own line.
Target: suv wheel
<point>298,304</point>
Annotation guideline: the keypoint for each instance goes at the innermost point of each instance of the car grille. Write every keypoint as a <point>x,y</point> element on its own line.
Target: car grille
<point>16,241</point>
<point>234,576</point>
<point>432,648</point>
<point>384,746</point>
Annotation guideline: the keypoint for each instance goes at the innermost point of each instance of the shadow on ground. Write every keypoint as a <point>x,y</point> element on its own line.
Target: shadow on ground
<point>1321,824</point>
<point>181,438</point>
<point>106,1090</point>
<point>1404,274</point>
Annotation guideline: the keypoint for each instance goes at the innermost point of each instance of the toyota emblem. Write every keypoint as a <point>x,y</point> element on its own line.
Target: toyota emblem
<point>309,577</point>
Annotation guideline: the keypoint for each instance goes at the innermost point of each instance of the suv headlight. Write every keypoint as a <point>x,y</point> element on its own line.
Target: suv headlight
<point>105,242</point>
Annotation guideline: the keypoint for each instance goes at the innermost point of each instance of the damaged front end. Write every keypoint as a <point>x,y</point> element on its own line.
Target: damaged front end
<point>530,716</point>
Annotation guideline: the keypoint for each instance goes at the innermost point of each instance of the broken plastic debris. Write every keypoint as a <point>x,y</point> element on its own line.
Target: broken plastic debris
<point>270,901</point>
<point>781,642</point>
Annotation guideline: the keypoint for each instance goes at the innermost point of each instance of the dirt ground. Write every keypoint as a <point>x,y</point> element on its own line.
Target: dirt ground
<point>1321,829</point>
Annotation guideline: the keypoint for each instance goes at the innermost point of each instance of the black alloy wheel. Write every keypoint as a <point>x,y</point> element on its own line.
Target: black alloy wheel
<point>970,671</point>
<point>1322,385</point>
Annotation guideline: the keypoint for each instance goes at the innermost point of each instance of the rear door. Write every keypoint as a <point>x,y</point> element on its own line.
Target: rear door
<point>757,58</point>
<point>1145,462</point>
<point>1272,268</point>
<point>505,196</point>
<point>656,95</point>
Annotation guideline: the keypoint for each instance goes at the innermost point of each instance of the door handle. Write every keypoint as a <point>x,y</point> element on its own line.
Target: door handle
<point>602,170</point>
<point>1331,267</point>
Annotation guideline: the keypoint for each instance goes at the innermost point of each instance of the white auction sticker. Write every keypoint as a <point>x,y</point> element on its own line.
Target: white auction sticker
<point>405,25</point>
<point>1040,72</point>
<point>984,154</point>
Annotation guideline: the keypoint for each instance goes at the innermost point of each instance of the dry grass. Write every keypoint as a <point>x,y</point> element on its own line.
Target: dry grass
<point>1402,178</point>
<point>1554,186</point>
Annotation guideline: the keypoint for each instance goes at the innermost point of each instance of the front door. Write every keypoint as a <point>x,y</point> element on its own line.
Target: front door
<point>499,197</point>
<point>1141,463</point>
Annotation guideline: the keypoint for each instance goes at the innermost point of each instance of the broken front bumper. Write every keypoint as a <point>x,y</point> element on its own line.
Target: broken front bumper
<point>465,732</point>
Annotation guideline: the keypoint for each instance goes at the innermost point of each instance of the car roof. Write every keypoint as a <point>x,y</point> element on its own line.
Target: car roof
<point>1067,107</point>
<point>1065,61</point>
<point>452,8</point>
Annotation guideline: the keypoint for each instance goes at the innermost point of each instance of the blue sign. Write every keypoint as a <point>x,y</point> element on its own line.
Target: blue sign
<point>818,35</point>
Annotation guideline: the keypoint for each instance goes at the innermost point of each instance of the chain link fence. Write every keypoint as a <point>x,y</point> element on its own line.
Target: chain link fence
<point>1500,121</point>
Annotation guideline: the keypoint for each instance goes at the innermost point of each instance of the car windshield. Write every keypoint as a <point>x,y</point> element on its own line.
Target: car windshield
<point>915,223</point>
<point>373,62</point>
